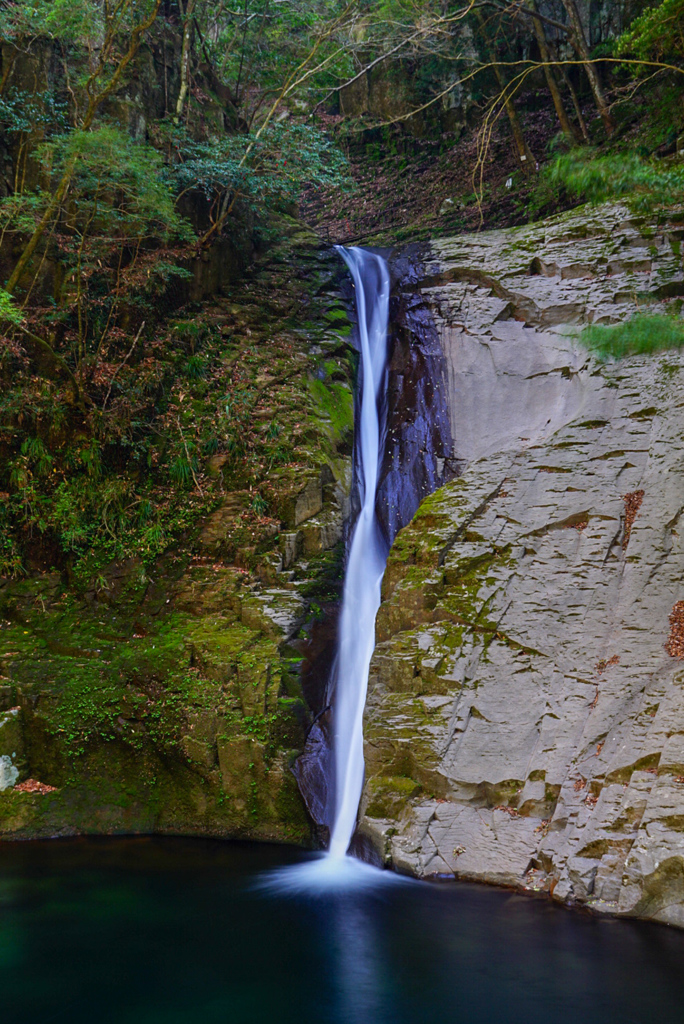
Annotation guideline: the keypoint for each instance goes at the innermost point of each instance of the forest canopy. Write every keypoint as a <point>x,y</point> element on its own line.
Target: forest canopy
<point>142,141</point>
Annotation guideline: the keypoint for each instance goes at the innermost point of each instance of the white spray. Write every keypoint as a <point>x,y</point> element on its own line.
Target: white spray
<point>367,552</point>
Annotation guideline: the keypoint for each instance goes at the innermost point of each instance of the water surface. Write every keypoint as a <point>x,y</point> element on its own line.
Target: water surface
<point>176,931</point>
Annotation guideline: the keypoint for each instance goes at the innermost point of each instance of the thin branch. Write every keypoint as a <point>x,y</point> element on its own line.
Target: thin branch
<point>121,365</point>
<point>529,66</point>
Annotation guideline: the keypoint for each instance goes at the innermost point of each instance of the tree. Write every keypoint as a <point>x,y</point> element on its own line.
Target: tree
<point>540,33</point>
<point>108,67</point>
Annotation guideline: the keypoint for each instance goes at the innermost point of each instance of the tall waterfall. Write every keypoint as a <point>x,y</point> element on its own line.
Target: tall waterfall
<point>367,551</point>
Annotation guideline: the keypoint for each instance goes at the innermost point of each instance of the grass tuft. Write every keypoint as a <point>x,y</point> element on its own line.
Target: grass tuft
<point>641,335</point>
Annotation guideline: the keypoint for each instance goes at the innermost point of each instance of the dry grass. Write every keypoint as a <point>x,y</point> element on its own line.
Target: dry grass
<point>632,505</point>
<point>33,786</point>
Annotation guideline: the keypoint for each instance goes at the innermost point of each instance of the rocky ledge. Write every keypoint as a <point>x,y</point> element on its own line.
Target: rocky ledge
<point>525,720</point>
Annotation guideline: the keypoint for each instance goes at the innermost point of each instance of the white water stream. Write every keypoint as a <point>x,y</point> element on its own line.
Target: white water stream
<point>367,551</point>
<point>360,602</point>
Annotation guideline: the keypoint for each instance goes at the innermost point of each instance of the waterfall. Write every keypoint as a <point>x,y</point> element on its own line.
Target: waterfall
<point>367,557</point>
<point>367,550</point>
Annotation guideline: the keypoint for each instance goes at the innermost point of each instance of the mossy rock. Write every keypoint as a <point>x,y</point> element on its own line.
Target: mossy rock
<point>389,795</point>
<point>124,719</point>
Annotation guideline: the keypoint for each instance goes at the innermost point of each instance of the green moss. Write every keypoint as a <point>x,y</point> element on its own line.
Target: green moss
<point>336,404</point>
<point>122,715</point>
<point>336,316</point>
<point>388,795</point>
<point>624,774</point>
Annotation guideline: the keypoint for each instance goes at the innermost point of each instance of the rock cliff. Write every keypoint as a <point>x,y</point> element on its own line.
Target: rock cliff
<point>525,720</point>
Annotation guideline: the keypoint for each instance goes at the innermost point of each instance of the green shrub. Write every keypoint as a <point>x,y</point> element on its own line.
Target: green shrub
<point>644,184</point>
<point>641,335</point>
<point>657,34</point>
<point>8,311</point>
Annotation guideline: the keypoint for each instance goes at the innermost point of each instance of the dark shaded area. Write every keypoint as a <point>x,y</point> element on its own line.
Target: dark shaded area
<point>314,770</point>
<point>319,658</point>
<point>148,930</point>
<point>418,443</point>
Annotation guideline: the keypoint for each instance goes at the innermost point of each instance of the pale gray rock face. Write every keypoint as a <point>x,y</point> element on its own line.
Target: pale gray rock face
<point>525,722</point>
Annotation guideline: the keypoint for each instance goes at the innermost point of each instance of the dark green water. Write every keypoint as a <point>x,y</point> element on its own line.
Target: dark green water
<point>172,931</point>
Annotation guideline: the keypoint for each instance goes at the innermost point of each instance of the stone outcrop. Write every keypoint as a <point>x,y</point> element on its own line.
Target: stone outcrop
<point>525,719</point>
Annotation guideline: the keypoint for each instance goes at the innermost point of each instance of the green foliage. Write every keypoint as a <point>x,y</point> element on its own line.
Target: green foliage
<point>161,272</point>
<point>22,111</point>
<point>80,22</point>
<point>78,497</point>
<point>257,45</point>
<point>259,505</point>
<point>8,311</point>
<point>117,182</point>
<point>11,563</point>
<point>657,34</point>
<point>642,335</point>
<point>645,184</point>
<point>67,20</point>
<point>265,171</point>
<point>239,409</point>
<point>195,367</point>
<point>180,471</point>
<point>21,211</point>
<point>118,222</point>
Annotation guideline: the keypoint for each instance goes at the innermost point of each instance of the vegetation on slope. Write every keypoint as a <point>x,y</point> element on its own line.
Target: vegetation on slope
<point>642,335</point>
<point>647,185</point>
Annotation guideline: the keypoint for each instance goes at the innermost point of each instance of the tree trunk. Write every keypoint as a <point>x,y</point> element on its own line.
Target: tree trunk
<point>527,161</point>
<point>566,127</point>
<point>579,41</point>
<point>571,89</point>
<point>50,211</point>
<point>185,60</point>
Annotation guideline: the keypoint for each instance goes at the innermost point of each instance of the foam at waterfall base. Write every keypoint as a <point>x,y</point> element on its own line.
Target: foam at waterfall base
<point>323,874</point>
